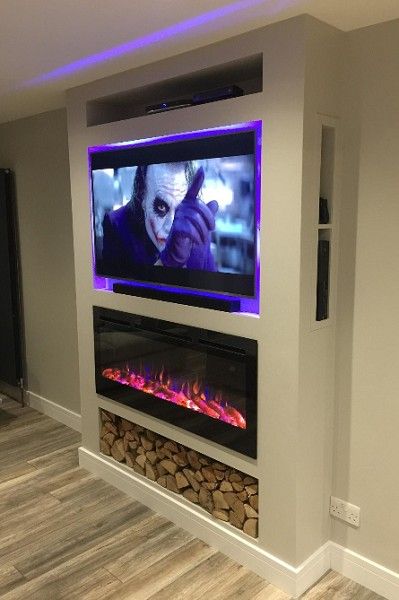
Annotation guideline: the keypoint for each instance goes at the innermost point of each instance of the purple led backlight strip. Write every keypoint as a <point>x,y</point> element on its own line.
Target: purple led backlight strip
<point>248,305</point>
<point>176,30</point>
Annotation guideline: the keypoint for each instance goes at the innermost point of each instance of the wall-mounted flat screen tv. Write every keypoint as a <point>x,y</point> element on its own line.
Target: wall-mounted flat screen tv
<point>180,210</point>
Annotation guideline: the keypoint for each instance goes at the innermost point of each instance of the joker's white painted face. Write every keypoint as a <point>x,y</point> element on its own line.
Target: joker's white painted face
<point>166,187</point>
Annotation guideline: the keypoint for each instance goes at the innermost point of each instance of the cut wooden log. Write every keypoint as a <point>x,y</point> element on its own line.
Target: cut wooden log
<point>230,498</point>
<point>141,460</point>
<point>205,499</point>
<point>253,500</point>
<point>250,512</point>
<point>129,458</point>
<point>209,474</point>
<point>191,478</point>
<point>152,457</point>
<point>218,474</point>
<point>171,484</point>
<point>172,446</point>
<point>126,425</point>
<point>237,487</point>
<point>251,489</point>
<point>222,515</point>
<point>219,466</point>
<point>105,416</point>
<point>103,431</point>
<point>249,480</point>
<point>235,477</point>
<point>251,527</point>
<point>118,451</point>
<point>169,465</point>
<point>181,459</point>
<point>219,501</point>
<point>199,476</point>
<point>111,427</point>
<point>151,435</point>
<point>239,510</point>
<point>162,481</point>
<point>236,505</point>
<point>151,471</point>
<point>146,443</point>
<point>161,454</point>
<point>181,480</point>
<point>133,445</point>
<point>161,469</point>
<point>209,485</point>
<point>234,520</point>
<point>138,468</point>
<point>191,495</point>
<point>225,486</point>
<point>192,458</point>
<point>243,496</point>
<point>105,448</point>
<point>109,437</point>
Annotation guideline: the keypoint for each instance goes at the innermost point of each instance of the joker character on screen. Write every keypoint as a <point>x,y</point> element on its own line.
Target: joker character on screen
<point>164,223</point>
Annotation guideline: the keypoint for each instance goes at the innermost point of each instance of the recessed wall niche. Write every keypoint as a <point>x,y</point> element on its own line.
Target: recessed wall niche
<point>226,493</point>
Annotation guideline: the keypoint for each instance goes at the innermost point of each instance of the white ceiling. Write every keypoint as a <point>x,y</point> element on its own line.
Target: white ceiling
<point>39,36</point>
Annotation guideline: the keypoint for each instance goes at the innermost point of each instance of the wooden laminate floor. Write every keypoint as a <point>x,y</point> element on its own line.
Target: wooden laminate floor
<point>66,534</point>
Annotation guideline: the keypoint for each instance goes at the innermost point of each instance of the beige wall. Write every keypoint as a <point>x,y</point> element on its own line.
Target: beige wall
<point>367,442</point>
<point>36,149</point>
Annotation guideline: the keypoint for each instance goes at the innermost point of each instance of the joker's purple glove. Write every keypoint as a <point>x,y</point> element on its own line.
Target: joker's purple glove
<point>193,222</point>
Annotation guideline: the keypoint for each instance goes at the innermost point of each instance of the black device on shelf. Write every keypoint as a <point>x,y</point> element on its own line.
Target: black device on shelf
<point>323,266</point>
<point>223,304</point>
<point>324,215</point>
<point>167,105</point>
<point>222,93</point>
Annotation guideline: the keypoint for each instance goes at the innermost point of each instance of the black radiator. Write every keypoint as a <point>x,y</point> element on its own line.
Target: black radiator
<point>10,297</point>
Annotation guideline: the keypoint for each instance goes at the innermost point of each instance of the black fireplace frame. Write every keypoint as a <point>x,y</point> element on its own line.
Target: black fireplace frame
<point>235,438</point>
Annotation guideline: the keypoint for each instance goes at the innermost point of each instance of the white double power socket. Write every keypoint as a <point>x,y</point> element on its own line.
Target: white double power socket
<point>345,511</point>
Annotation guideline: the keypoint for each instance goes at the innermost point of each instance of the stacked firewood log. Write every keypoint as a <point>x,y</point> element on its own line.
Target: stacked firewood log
<point>224,492</point>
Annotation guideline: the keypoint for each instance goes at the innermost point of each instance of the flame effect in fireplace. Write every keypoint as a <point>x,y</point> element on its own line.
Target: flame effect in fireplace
<point>188,395</point>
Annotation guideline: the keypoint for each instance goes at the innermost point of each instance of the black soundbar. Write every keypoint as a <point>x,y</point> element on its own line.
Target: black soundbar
<point>226,305</point>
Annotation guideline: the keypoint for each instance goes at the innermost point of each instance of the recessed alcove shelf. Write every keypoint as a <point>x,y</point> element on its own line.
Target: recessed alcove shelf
<point>219,454</point>
<point>245,73</point>
<point>325,209</point>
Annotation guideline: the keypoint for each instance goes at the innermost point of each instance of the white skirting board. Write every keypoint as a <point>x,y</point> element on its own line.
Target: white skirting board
<point>55,411</point>
<point>368,573</point>
<point>238,546</point>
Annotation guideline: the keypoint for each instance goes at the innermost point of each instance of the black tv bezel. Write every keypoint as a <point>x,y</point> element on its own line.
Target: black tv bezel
<point>208,145</point>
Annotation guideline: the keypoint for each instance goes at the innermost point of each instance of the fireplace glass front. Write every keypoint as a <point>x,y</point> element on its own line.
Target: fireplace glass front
<point>199,380</point>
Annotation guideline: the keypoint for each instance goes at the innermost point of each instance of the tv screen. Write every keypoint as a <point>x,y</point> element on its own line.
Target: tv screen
<point>178,211</point>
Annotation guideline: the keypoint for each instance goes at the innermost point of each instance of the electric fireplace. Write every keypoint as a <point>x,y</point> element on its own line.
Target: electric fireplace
<point>202,381</point>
